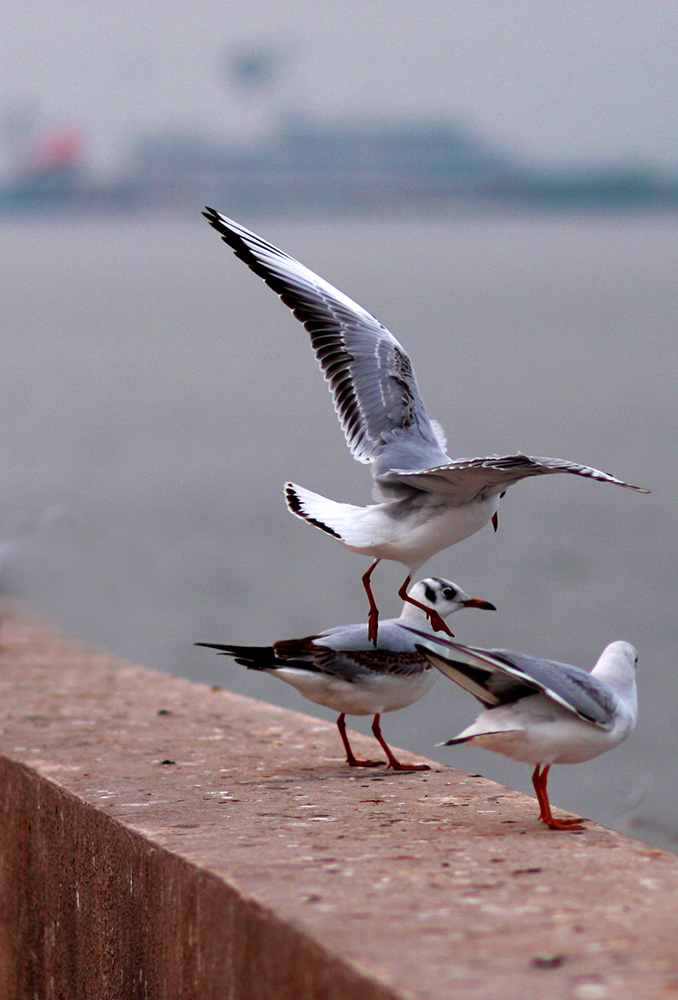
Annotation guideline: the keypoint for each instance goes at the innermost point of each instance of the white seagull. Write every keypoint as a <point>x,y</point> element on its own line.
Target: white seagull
<point>540,711</point>
<point>339,668</point>
<point>428,500</point>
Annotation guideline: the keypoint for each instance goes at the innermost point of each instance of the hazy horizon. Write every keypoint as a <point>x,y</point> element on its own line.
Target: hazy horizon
<point>554,82</point>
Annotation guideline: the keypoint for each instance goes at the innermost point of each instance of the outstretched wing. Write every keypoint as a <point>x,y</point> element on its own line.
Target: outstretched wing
<point>375,392</point>
<point>466,478</point>
<point>500,676</point>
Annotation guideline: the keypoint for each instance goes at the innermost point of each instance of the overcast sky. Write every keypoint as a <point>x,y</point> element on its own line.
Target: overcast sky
<point>567,81</point>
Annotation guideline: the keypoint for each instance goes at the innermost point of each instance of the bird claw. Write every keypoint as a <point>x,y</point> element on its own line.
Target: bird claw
<point>356,762</point>
<point>573,824</point>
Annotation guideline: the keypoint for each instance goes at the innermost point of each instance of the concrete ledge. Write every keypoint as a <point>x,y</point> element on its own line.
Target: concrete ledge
<point>162,840</point>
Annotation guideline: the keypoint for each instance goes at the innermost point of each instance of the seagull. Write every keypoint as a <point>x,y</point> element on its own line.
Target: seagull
<point>339,668</point>
<point>540,711</point>
<point>427,501</point>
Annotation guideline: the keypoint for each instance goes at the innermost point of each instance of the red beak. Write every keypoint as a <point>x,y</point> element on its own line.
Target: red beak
<point>474,602</point>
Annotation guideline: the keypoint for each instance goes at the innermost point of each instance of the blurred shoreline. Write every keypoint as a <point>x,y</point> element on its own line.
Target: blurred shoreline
<point>305,168</point>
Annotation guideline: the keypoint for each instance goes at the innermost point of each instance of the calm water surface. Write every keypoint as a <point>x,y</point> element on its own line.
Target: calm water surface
<point>154,386</point>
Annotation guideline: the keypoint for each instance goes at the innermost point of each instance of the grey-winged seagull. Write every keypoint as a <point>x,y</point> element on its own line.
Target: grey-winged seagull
<point>341,669</point>
<point>540,711</point>
<point>428,500</point>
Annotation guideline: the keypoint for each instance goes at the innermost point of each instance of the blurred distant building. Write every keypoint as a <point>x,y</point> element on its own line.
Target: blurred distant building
<point>48,168</point>
<point>39,159</point>
<point>301,165</point>
<point>253,67</point>
<point>307,164</point>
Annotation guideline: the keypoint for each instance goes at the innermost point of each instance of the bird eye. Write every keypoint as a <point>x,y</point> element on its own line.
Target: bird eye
<point>449,594</point>
<point>502,495</point>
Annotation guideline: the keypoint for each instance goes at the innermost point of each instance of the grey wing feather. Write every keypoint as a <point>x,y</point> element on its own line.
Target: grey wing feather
<point>350,638</point>
<point>501,676</point>
<point>375,392</point>
<point>490,686</point>
<point>466,478</point>
<point>573,687</point>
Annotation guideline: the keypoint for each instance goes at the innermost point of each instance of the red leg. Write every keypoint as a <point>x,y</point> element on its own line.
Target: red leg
<point>350,758</point>
<point>438,624</point>
<point>539,781</point>
<point>536,784</point>
<point>392,760</point>
<point>373,620</point>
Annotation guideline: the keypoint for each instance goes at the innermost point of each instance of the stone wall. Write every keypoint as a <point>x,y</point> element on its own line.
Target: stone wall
<point>160,839</point>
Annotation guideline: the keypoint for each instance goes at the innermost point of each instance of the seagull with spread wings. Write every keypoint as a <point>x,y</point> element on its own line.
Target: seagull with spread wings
<point>427,501</point>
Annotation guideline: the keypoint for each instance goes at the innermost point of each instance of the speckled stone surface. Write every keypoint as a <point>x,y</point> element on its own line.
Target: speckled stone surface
<point>161,839</point>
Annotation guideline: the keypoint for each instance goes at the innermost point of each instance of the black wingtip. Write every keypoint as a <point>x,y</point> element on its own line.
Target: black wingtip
<point>224,650</point>
<point>455,742</point>
<point>213,218</point>
<point>292,500</point>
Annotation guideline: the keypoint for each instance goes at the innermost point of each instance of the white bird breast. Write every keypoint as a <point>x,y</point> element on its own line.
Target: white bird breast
<point>538,731</point>
<point>370,695</point>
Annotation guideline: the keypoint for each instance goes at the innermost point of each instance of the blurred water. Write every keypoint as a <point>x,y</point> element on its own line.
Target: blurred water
<point>157,389</point>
